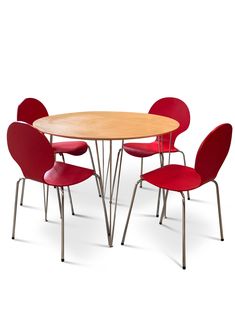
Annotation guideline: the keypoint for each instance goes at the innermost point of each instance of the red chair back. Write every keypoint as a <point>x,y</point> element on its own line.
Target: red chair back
<point>174,108</point>
<point>213,151</point>
<point>30,149</point>
<point>30,110</point>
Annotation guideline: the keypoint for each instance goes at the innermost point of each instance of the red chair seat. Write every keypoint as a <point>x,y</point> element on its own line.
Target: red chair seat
<point>139,149</point>
<point>64,174</point>
<point>174,178</point>
<point>70,147</point>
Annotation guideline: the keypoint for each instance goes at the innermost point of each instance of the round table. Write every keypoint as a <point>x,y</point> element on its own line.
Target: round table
<point>107,125</point>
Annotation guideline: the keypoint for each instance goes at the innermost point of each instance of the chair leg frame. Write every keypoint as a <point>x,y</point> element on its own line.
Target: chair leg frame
<point>183,232</point>
<point>93,166</point>
<point>15,207</point>
<point>184,159</point>
<point>219,210</point>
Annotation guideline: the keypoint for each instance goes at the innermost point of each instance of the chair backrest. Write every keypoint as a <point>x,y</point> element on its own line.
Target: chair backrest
<point>30,149</point>
<point>213,151</point>
<point>30,110</point>
<point>174,108</point>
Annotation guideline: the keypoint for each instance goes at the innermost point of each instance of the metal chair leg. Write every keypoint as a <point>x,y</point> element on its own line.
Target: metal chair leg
<point>22,192</point>
<point>219,210</point>
<point>62,155</point>
<point>59,201</point>
<point>158,201</point>
<point>45,197</point>
<point>129,213</point>
<point>164,207</point>
<point>93,166</point>
<point>62,224</point>
<point>184,159</point>
<point>15,207</point>
<point>183,232</point>
<point>70,200</point>
<point>141,170</point>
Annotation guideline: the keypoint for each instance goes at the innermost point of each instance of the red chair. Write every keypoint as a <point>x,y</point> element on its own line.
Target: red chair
<point>210,157</point>
<point>39,164</point>
<point>170,107</point>
<point>32,109</point>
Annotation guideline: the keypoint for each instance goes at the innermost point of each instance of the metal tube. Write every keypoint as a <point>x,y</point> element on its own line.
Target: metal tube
<point>15,208</point>
<point>115,173</point>
<point>59,201</point>
<point>219,210</point>
<point>110,186</point>
<point>71,202</point>
<point>62,224</point>
<point>106,177</point>
<point>45,197</point>
<point>169,156</point>
<point>105,210</point>
<point>158,201</point>
<point>141,170</point>
<point>184,159</point>
<point>164,206</point>
<point>183,232</point>
<point>22,192</point>
<point>93,166</point>
<point>62,155</point>
<point>117,191</point>
<point>129,213</point>
<point>103,159</point>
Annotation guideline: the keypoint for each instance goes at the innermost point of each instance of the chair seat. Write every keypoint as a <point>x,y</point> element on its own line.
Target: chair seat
<point>140,149</point>
<point>70,147</point>
<point>64,174</point>
<point>174,178</point>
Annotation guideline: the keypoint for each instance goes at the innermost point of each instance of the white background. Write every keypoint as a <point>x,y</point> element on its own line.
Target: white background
<point>118,55</point>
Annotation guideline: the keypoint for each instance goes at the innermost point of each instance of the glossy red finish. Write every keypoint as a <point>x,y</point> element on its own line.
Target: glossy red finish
<point>210,156</point>
<point>30,149</point>
<point>170,107</point>
<point>63,174</point>
<point>213,151</point>
<point>39,164</point>
<point>32,109</point>
<point>174,177</point>
<point>140,149</point>
<point>75,148</point>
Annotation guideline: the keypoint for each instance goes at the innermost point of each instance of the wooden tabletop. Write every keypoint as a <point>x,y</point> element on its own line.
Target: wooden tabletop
<point>106,125</point>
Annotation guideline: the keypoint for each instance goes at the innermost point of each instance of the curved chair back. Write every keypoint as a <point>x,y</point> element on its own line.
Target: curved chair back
<point>213,151</point>
<point>30,110</point>
<point>30,149</point>
<point>174,108</point>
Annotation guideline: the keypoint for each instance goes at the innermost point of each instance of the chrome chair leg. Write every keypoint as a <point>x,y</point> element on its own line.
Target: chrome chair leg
<point>183,232</point>
<point>45,197</point>
<point>184,159</point>
<point>219,210</point>
<point>158,201</point>
<point>93,166</point>
<point>129,213</point>
<point>71,201</point>
<point>62,224</point>
<point>59,201</point>
<point>22,192</point>
<point>141,170</point>
<point>15,207</point>
<point>164,207</point>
